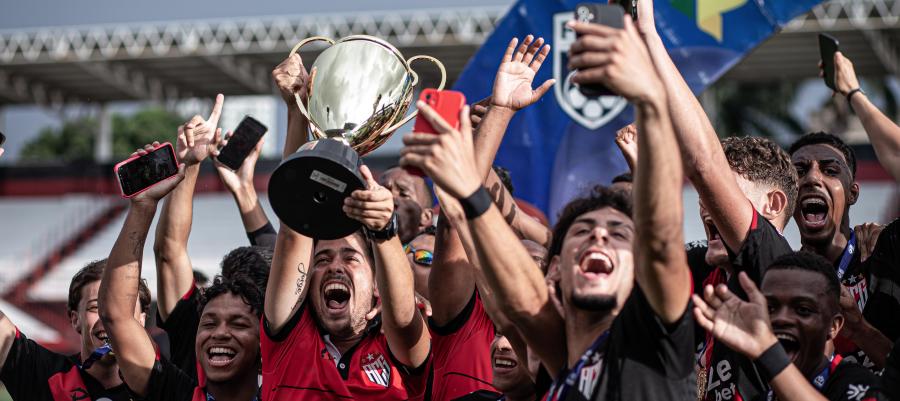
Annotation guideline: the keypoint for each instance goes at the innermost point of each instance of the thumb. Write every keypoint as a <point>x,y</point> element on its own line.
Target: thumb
<point>750,288</point>
<point>367,176</point>
<point>541,90</point>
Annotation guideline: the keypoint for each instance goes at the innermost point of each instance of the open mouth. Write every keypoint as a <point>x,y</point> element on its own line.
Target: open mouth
<point>790,344</point>
<point>336,294</point>
<point>595,264</point>
<point>502,364</point>
<point>102,336</point>
<point>712,230</point>
<point>813,211</point>
<point>220,356</point>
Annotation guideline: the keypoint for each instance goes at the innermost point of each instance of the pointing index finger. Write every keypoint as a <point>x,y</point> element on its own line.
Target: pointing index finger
<point>217,110</point>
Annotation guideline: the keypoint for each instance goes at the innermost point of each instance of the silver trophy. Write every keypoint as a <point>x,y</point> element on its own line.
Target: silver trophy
<point>358,95</point>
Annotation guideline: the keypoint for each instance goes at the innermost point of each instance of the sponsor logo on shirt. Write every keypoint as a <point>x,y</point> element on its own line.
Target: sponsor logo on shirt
<point>720,387</point>
<point>377,369</point>
<point>857,391</point>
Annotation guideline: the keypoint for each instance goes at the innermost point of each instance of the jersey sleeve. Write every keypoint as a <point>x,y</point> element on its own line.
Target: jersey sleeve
<point>181,327</point>
<point>167,382</point>
<point>762,246</point>
<point>883,268</point>
<point>852,382</point>
<point>670,345</point>
<point>28,367</point>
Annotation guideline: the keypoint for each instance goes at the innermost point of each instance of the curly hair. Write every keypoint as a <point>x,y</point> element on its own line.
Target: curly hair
<point>239,285</point>
<point>762,161</point>
<point>94,272</point>
<point>817,138</point>
<point>253,262</point>
<point>599,198</point>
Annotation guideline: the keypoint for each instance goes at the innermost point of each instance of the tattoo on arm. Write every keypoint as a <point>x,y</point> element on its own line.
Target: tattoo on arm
<point>301,268</point>
<point>137,242</point>
<point>500,199</point>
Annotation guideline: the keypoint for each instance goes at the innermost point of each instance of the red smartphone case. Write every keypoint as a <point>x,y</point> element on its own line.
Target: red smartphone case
<point>131,159</point>
<point>448,104</point>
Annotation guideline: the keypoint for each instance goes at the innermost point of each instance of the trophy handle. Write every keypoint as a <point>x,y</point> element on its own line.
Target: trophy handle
<point>440,66</point>
<point>315,129</point>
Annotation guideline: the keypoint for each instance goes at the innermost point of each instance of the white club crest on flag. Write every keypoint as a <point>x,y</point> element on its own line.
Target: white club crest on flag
<point>589,111</point>
<point>377,369</point>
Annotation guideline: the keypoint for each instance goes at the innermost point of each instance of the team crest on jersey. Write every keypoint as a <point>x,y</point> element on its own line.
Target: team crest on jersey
<point>377,369</point>
<point>592,112</point>
<point>857,287</point>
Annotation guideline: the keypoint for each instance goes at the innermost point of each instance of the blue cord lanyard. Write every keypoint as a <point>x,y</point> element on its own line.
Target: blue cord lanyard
<point>847,256</point>
<point>95,356</point>
<point>562,389</point>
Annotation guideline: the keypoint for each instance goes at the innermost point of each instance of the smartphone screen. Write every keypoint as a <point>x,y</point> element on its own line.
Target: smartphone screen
<point>143,172</point>
<point>245,137</point>
<point>827,47</point>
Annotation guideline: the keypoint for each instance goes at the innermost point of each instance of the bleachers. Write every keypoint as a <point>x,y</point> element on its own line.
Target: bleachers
<point>31,228</point>
<point>216,230</point>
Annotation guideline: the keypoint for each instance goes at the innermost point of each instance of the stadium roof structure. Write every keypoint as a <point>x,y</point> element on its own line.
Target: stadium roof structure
<point>164,61</point>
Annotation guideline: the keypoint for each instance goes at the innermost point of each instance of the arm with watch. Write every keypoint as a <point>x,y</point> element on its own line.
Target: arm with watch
<point>884,133</point>
<point>404,327</point>
<point>744,327</point>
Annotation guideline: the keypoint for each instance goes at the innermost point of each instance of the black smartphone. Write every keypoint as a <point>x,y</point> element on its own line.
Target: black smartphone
<point>139,173</point>
<point>243,140</point>
<point>612,15</point>
<point>2,139</point>
<point>630,7</point>
<point>828,45</point>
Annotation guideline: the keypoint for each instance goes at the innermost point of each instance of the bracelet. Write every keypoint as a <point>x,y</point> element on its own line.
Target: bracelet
<point>850,97</point>
<point>476,204</point>
<point>772,361</point>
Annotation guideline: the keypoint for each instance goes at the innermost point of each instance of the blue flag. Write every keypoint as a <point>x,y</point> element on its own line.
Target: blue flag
<point>565,144</point>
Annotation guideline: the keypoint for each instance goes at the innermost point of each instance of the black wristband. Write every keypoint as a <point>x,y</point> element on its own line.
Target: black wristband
<point>772,362</point>
<point>853,92</point>
<point>260,236</point>
<point>476,204</point>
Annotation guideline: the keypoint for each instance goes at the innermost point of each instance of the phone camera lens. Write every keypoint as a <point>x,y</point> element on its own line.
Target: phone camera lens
<point>320,197</point>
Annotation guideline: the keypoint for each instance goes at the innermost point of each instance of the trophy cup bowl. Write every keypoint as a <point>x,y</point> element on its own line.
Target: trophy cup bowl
<point>358,93</point>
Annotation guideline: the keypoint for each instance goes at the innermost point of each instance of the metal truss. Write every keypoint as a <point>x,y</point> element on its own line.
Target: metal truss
<point>240,36</point>
<point>838,15</point>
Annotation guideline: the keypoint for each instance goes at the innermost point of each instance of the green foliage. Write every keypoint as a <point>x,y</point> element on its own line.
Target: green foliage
<point>75,139</point>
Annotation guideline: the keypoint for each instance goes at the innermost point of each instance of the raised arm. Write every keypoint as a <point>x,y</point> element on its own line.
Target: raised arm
<point>118,294</point>
<point>701,152</point>
<point>240,184</point>
<point>403,325</point>
<point>287,288</point>
<point>744,327</point>
<point>449,160</point>
<point>196,140</point>
<point>616,56</point>
<point>882,131</point>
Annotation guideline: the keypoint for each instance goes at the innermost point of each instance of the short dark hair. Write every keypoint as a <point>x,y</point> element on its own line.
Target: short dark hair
<point>762,161</point>
<point>624,177</point>
<point>599,198</point>
<point>239,285</point>
<point>504,176</point>
<point>808,261</point>
<point>370,249</point>
<point>92,272</point>
<point>253,262</point>
<point>824,138</point>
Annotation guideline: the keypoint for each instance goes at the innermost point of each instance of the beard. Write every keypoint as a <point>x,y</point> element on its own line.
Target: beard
<point>596,303</point>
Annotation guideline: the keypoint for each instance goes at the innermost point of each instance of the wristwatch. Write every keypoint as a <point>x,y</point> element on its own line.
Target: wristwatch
<point>386,233</point>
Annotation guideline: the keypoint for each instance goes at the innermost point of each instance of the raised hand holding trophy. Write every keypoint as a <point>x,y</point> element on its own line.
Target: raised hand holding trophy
<point>358,95</point>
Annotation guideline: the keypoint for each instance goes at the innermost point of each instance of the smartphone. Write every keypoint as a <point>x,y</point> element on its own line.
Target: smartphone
<point>828,45</point>
<point>612,15</point>
<point>139,173</point>
<point>448,104</point>
<point>242,141</point>
<point>630,7</point>
<point>2,139</point>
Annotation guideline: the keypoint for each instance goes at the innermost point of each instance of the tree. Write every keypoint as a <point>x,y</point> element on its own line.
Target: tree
<point>75,140</point>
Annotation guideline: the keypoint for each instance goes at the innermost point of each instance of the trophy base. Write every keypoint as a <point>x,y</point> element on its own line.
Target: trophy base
<point>307,190</point>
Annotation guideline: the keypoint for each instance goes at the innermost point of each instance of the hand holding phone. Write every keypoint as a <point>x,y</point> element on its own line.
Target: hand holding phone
<point>241,143</point>
<point>828,46</point>
<point>611,15</point>
<point>146,168</point>
<point>447,104</point>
